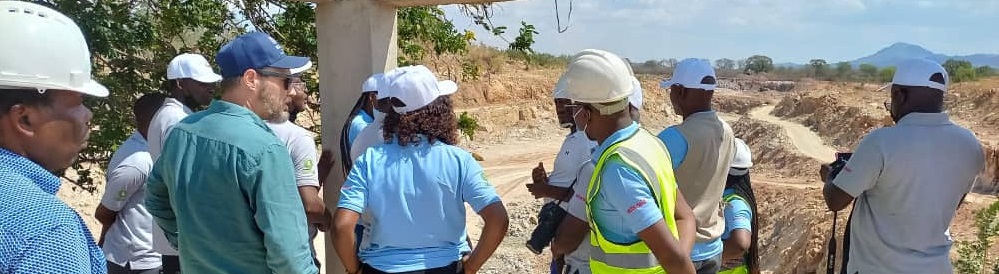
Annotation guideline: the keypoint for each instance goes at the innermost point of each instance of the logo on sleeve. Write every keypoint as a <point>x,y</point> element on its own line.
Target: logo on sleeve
<point>308,165</point>
<point>121,195</point>
<point>634,207</point>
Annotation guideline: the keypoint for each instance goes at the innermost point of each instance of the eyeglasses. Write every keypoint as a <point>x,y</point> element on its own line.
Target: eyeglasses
<point>288,78</point>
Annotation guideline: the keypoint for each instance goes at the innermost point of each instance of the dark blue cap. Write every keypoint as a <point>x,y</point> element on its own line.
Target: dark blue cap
<point>254,50</point>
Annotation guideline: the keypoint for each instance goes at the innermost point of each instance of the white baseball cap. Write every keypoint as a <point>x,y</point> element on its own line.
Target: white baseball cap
<point>301,69</point>
<point>416,87</point>
<point>636,96</point>
<point>194,66</point>
<point>371,84</point>
<point>742,160</point>
<point>919,73</point>
<point>689,73</point>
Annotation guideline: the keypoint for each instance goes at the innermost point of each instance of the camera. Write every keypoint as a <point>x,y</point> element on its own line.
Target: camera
<point>549,218</point>
<point>839,164</point>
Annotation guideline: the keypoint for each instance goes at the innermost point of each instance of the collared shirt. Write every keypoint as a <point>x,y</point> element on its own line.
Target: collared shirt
<point>580,258</point>
<point>574,169</point>
<point>129,240</point>
<point>908,180</point>
<point>229,184</point>
<point>414,219</point>
<point>358,123</point>
<point>38,232</point>
<point>738,215</point>
<point>302,147</point>
<point>624,205</point>
<point>162,122</point>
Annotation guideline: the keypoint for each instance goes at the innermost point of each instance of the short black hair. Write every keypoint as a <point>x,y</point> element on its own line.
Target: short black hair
<point>146,106</point>
<point>26,96</point>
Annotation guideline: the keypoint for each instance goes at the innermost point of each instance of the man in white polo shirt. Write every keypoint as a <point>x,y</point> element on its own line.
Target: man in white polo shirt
<point>191,85</point>
<point>302,148</point>
<point>908,179</point>
<point>127,233</point>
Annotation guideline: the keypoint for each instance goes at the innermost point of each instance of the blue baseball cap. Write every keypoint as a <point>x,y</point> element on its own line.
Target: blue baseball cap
<point>254,50</point>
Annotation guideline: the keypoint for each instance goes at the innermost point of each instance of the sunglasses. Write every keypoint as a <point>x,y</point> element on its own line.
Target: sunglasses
<point>289,79</point>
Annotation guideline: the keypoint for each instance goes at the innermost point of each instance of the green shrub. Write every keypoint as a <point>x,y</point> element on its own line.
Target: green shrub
<point>468,125</point>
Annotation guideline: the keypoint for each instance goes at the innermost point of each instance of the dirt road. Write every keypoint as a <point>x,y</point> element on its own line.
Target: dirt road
<point>804,139</point>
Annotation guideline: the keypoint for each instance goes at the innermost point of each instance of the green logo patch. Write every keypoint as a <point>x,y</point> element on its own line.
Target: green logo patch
<point>308,165</point>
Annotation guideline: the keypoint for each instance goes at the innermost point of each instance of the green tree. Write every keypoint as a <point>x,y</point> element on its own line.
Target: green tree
<point>758,64</point>
<point>868,72</point>
<point>984,71</point>
<point>886,74</point>
<point>725,64</point>
<point>819,67</point>
<point>844,70</point>
<point>131,43</point>
<point>960,70</point>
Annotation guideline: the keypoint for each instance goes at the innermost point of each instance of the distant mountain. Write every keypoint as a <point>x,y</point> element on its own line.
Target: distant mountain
<point>897,52</point>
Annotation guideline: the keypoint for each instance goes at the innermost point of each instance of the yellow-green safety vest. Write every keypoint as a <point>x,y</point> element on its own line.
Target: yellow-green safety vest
<point>647,155</point>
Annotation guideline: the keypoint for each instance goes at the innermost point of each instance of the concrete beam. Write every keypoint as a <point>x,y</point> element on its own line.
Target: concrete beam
<point>413,3</point>
<point>355,40</point>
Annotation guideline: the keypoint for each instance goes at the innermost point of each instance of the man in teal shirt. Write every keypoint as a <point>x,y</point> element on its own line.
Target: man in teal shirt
<point>223,189</point>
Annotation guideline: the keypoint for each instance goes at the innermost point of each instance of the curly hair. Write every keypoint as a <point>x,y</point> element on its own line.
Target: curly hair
<point>436,121</point>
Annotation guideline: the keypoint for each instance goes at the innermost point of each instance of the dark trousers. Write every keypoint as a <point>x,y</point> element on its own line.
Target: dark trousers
<point>117,269</point>
<point>171,264</point>
<point>709,266</point>
<point>453,268</point>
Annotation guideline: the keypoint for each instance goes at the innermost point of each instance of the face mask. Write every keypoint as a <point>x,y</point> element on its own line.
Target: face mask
<point>580,126</point>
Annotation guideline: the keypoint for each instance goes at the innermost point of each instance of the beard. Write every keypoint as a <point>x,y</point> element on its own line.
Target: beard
<point>275,109</point>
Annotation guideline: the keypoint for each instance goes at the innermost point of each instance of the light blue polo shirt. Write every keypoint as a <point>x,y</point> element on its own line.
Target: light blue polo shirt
<point>624,205</point>
<point>738,215</point>
<point>677,146</point>
<point>358,123</point>
<point>415,217</point>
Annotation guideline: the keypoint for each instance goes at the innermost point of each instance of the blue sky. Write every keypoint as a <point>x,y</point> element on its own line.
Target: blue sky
<point>786,30</point>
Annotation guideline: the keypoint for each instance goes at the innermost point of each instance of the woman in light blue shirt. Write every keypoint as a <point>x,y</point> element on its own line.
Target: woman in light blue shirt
<point>741,252</point>
<point>412,190</point>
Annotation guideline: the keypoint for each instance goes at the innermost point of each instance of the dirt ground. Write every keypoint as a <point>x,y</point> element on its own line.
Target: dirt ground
<point>790,133</point>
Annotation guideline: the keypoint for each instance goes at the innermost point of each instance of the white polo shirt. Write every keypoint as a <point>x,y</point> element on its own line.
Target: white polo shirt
<point>908,180</point>
<point>129,240</point>
<point>302,147</point>
<point>163,121</point>
<point>573,164</point>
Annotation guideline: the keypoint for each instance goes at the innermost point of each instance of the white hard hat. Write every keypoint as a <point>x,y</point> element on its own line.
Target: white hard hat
<point>743,158</point>
<point>44,49</point>
<point>636,97</point>
<point>596,76</point>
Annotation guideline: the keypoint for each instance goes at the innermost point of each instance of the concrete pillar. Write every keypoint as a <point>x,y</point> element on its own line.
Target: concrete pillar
<point>355,39</point>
